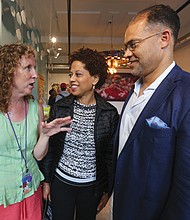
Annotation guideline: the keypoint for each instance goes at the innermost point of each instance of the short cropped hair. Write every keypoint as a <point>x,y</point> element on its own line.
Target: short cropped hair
<point>94,62</point>
<point>164,15</point>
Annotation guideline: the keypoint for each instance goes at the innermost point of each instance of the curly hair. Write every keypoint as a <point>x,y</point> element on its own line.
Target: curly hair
<point>10,55</point>
<point>94,62</point>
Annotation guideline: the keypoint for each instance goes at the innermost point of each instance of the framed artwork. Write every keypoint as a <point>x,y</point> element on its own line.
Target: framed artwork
<point>117,86</point>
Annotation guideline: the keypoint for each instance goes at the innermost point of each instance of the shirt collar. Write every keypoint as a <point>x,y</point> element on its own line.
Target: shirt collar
<point>156,82</point>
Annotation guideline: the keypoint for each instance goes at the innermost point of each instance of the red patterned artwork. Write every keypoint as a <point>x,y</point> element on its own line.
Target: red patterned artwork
<point>117,86</point>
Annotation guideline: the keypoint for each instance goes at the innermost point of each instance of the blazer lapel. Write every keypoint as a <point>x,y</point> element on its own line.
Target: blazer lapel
<point>159,96</point>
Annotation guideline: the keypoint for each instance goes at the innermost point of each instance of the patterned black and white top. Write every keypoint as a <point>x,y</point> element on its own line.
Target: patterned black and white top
<point>77,165</point>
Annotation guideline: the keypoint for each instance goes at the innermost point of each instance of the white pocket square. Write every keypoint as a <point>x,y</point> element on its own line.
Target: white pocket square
<point>156,122</point>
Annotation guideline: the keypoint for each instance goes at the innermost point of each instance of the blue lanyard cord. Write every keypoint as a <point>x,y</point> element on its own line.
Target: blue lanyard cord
<point>22,155</point>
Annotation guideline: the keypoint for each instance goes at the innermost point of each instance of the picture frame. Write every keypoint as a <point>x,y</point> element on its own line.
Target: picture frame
<point>117,86</point>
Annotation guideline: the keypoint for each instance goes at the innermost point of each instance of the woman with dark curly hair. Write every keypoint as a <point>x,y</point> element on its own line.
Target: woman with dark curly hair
<point>80,164</point>
<point>23,135</point>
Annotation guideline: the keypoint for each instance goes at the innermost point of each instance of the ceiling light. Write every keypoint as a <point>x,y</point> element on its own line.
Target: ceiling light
<point>53,40</point>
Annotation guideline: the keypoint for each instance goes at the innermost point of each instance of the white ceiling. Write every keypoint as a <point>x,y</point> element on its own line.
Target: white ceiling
<point>94,23</point>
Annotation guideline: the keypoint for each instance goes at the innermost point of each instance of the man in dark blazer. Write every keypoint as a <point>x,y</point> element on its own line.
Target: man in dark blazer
<point>153,168</point>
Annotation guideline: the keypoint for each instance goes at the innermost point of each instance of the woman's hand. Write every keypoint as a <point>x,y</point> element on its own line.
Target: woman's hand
<point>103,202</point>
<point>47,130</point>
<point>56,126</point>
<point>46,191</point>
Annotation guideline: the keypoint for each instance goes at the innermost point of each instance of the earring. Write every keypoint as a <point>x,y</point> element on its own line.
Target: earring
<point>93,87</point>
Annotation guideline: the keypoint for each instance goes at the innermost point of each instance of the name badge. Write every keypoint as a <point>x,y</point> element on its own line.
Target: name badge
<point>27,183</point>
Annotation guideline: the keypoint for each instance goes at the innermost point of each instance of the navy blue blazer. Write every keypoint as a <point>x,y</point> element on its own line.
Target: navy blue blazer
<point>153,170</point>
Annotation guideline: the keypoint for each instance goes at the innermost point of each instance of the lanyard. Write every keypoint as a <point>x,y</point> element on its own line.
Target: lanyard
<point>24,157</point>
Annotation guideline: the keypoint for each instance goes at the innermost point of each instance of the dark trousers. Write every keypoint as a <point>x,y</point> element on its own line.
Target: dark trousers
<point>68,200</point>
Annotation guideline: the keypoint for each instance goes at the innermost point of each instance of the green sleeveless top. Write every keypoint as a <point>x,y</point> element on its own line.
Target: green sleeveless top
<point>12,165</point>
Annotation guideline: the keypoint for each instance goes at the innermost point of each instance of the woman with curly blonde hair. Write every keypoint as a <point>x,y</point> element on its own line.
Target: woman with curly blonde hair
<point>23,134</point>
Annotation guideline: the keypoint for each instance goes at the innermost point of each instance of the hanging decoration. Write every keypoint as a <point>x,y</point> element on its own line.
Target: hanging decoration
<point>115,58</point>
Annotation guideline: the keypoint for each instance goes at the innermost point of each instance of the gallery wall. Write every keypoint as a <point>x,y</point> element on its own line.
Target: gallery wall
<point>182,55</point>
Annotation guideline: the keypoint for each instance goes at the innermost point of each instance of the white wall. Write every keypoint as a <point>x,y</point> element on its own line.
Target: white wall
<point>182,57</point>
<point>118,105</point>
